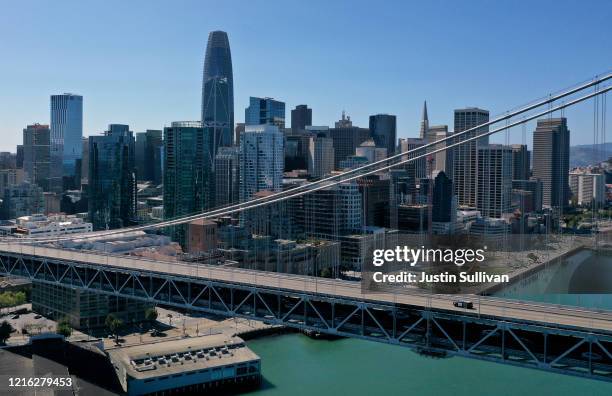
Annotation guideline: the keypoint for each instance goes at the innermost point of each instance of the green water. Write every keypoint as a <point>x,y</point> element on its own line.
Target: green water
<point>297,365</point>
<point>583,279</point>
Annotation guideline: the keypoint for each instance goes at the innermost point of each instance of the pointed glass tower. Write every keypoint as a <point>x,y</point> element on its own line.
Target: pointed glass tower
<point>218,92</point>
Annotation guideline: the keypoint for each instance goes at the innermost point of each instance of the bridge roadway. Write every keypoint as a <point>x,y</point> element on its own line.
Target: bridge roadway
<point>548,314</point>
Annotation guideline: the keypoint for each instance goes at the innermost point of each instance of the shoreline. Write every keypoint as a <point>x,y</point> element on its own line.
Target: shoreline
<point>523,273</point>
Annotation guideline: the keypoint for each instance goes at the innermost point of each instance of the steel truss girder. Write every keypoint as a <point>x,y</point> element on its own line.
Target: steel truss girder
<point>524,344</point>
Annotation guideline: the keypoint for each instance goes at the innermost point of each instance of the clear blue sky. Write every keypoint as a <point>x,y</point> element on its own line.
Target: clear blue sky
<point>140,62</point>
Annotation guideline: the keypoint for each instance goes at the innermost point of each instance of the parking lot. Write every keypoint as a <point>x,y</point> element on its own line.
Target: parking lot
<point>31,322</point>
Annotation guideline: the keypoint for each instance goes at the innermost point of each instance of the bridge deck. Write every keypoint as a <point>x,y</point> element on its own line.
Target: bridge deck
<point>549,314</point>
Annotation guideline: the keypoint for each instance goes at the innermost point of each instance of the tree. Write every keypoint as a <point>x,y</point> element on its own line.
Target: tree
<point>151,314</point>
<point>64,328</point>
<point>11,299</point>
<point>5,331</point>
<point>326,273</point>
<point>114,324</point>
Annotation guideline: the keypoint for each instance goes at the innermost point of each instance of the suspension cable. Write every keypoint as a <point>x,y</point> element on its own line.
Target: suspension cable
<point>293,193</point>
<point>548,100</point>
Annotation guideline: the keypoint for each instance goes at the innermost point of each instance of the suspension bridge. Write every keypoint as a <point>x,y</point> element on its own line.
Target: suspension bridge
<point>562,339</point>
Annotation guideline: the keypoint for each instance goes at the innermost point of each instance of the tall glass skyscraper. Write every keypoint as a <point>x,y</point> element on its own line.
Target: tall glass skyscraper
<point>218,91</point>
<point>112,178</point>
<point>384,129</point>
<point>66,137</point>
<point>265,111</point>
<point>188,184</point>
<point>149,153</point>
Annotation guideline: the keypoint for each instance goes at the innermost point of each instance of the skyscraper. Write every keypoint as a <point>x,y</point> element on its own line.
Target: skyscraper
<point>37,154</point>
<point>186,169</point>
<point>218,91</point>
<point>494,180</point>
<point>296,150</point>
<point>424,122</point>
<point>19,157</point>
<point>141,139</point>
<point>442,200</point>
<point>66,135</point>
<point>401,188</point>
<point>465,159</point>
<point>85,162</point>
<point>320,156</point>
<point>521,163</point>
<point>149,155</point>
<point>333,211</point>
<point>154,153</point>
<point>551,160</point>
<point>440,161</point>
<point>383,128</point>
<point>261,160</point>
<point>263,111</point>
<point>301,117</point>
<point>374,190</point>
<point>444,204</point>
<point>346,138</point>
<point>443,160</point>
<point>187,172</point>
<point>112,178</point>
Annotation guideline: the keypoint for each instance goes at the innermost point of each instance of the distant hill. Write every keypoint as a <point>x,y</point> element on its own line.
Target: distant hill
<point>584,154</point>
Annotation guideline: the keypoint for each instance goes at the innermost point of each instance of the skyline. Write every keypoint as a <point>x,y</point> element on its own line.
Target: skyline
<point>329,68</point>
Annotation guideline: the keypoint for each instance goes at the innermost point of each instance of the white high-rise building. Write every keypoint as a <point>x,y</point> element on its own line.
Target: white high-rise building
<point>261,160</point>
<point>494,180</point>
<point>465,156</point>
<point>66,137</point>
<point>587,187</point>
